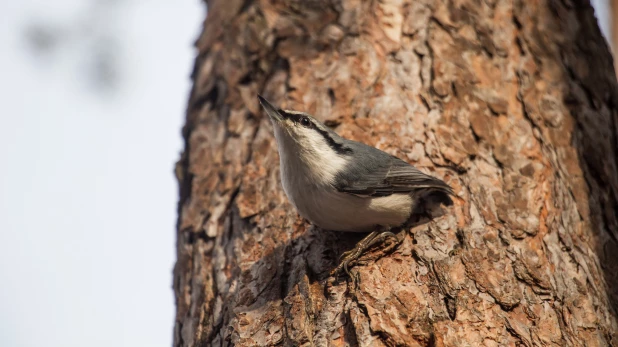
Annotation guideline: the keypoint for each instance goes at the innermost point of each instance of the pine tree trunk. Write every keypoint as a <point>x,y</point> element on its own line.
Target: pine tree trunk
<point>513,103</point>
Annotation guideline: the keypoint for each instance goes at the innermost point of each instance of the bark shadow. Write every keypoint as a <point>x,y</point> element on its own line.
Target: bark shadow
<point>592,100</point>
<point>304,263</point>
<point>598,160</point>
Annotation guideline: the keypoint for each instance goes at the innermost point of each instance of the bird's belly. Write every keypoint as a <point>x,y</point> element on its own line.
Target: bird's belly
<point>332,210</point>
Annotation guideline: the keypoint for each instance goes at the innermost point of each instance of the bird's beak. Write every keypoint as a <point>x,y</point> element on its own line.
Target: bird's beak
<point>271,110</point>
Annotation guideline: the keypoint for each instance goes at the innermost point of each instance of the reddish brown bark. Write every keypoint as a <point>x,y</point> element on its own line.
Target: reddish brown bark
<point>513,103</point>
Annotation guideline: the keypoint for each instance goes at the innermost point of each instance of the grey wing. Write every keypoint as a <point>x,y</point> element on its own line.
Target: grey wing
<point>395,176</point>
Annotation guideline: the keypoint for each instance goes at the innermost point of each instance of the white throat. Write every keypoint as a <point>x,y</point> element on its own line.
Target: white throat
<point>307,160</point>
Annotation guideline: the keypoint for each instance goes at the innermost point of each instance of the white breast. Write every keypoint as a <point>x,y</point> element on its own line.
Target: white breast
<point>332,210</point>
<point>315,198</point>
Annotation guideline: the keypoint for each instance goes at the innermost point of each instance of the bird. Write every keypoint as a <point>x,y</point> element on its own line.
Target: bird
<point>343,185</point>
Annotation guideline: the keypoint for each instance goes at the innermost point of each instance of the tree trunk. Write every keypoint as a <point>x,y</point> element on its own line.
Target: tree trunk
<point>513,103</point>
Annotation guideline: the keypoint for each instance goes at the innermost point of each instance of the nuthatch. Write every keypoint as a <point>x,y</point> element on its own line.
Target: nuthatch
<point>343,185</point>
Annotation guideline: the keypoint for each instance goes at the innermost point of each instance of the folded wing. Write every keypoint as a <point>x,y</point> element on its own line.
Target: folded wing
<point>394,176</point>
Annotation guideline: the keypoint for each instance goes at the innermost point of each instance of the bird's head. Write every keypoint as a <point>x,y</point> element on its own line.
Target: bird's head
<point>301,133</point>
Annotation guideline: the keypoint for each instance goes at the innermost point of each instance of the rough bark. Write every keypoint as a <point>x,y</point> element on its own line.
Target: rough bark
<point>513,103</point>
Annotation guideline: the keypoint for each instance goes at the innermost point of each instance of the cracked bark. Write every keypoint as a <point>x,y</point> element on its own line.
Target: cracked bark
<point>513,103</point>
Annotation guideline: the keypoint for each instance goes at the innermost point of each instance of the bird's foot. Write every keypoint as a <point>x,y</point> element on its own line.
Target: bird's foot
<point>363,245</point>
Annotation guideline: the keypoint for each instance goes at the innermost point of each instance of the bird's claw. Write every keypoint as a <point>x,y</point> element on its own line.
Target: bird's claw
<point>364,244</point>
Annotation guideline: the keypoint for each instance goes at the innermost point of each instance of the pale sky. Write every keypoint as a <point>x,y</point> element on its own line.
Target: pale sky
<point>87,192</point>
<point>602,12</point>
<point>603,15</point>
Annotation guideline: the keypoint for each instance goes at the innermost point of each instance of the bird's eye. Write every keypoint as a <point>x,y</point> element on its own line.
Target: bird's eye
<point>304,121</point>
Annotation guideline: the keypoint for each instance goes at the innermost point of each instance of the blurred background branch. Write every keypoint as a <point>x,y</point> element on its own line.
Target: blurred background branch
<point>92,37</point>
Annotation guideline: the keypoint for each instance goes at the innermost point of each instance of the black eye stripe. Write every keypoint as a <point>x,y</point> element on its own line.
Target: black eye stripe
<point>336,146</point>
<point>297,118</point>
